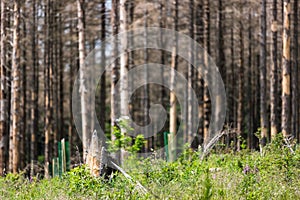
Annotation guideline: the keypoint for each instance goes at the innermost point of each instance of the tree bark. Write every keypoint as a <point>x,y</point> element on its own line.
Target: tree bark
<point>274,78</point>
<point>15,91</point>
<point>190,99</point>
<point>3,88</point>
<point>173,104</point>
<point>240,89</point>
<point>145,99</point>
<point>103,78</point>
<point>83,81</point>
<point>123,66</point>
<point>114,74</point>
<point>262,72</point>
<point>206,98</point>
<point>295,73</point>
<point>286,71</point>
<point>34,91</point>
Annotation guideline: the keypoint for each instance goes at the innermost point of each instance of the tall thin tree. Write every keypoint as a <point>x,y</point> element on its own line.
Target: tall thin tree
<point>286,70</point>
<point>295,72</point>
<point>273,81</point>
<point>262,72</point>
<point>173,104</point>
<point>82,71</point>
<point>123,65</point>
<point>3,88</point>
<point>15,91</point>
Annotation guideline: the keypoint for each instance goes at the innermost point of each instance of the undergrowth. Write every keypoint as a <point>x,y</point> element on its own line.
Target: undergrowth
<point>275,174</point>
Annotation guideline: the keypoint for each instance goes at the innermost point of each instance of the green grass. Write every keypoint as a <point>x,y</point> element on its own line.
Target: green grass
<point>242,175</point>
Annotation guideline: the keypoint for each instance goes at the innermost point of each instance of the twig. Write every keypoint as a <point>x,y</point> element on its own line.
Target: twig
<point>211,144</point>
<point>287,141</point>
<point>139,186</point>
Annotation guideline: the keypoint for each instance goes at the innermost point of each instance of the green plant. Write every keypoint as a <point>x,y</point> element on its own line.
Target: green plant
<point>132,145</point>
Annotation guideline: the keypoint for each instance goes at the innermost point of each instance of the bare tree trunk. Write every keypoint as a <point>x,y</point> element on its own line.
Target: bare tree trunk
<point>23,127</point>
<point>163,95</point>
<point>231,103</point>
<point>55,77</point>
<point>34,91</point>
<point>206,97</point>
<point>250,86</point>
<point>46,96</point>
<point>221,60</point>
<point>240,89</point>
<point>83,82</point>
<point>103,78</point>
<point>190,124</point>
<point>15,91</point>
<point>114,74</point>
<point>60,122</point>
<point>274,79</point>
<point>173,111</point>
<point>263,63</point>
<point>123,66</point>
<point>3,88</point>
<point>294,73</point>
<point>145,99</point>
<point>286,71</point>
<point>200,40</point>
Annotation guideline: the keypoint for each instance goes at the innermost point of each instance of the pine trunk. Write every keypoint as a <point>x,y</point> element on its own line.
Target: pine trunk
<point>286,70</point>
<point>114,74</point>
<point>295,73</point>
<point>3,88</point>
<point>274,78</point>
<point>240,89</point>
<point>82,74</point>
<point>206,97</point>
<point>263,64</point>
<point>190,78</point>
<point>15,91</point>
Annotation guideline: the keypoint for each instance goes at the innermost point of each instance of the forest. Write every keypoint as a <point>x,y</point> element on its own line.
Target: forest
<point>132,99</point>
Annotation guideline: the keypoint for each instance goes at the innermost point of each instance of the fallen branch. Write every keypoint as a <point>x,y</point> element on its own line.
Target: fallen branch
<point>139,186</point>
<point>287,141</point>
<point>211,145</point>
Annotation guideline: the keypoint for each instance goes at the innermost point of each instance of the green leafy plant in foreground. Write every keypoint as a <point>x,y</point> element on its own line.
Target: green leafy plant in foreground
<point>122,141</point>
<point>235,175</point>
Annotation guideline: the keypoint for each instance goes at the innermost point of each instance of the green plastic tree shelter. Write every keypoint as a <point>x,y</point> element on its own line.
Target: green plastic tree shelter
<point>166,145</point>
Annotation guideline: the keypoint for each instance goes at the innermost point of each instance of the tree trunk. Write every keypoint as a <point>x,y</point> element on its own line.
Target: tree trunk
<point>240,89</point>
<point>295,80</point>
<point>145,99</point>
<point>173,104</point>
<point>123,66</point>
<point>3,88</point>
<point>61,92</point>
<point>206,98</point>
<point>15,91</point>
<point>286,71</point>
<point>103,78</point>
<point>200,40</point>
<point>220,57</point>
<point>47,126</point>
<point>190,99</point>
<point>263,63</point>
<point>23,127</point>
<point>250,86</point>
<point>114,74</point>
<point>34,91</point>
<point>273,83</point>
<point>163,95</point>
<point>83,82</point>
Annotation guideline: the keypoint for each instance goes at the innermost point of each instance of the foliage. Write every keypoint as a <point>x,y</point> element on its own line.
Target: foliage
<point>123,141</point>
<point>234,175</point>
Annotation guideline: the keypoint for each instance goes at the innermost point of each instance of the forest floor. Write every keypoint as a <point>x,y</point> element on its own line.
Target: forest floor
<point>272,174</point>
